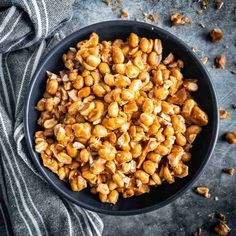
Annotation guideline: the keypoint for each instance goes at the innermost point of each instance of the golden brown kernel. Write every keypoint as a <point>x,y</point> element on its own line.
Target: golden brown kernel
<point>203,191</point>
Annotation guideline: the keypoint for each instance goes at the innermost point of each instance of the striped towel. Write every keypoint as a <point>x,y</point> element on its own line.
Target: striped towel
<point>28,206</point>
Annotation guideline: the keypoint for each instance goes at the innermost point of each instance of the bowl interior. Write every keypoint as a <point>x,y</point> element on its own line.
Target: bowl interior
<point>205,96</point>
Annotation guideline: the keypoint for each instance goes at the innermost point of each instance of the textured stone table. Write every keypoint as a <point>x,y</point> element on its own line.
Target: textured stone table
<point>189,212</point>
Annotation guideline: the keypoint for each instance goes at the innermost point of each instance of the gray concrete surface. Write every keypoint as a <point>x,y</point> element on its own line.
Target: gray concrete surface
<point>189,212</point>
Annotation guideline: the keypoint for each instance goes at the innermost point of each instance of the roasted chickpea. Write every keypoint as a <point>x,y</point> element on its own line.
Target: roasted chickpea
<point>180,139</point>
<point>117,55</point>
<point>161,93</point>
<point>141,175</point>
<point>84,92</point>
<point>153,59</point>
<point>144,44</point>
<point>113,109</point>
<point>99,90</point>
<point>93,60</point>
<point>111,167</point>
<point>154,157</point>
<point>120,68</point>
<point>104,68</point>
<point>88,80</point>
<point>100,131</point>
<point>52,86</point>
<point>78,83</point>
<point>113,197</point>
<point>132,71</point>
<point>147,119</point>
<point>133,40</point>
<point>117,178</point>
<point>71,150</point>
<point>169,131</point>
<point>148,106</point>
<point>85,155</point>
<point>123,156</point>
<point>136,151</point>
<point>128,95</point>
<point>149,167</point>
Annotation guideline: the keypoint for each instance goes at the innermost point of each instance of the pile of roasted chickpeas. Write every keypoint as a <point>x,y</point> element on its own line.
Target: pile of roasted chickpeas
<point>118,118</point>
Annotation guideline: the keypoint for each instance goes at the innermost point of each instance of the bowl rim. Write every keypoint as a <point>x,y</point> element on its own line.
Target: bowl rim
<point>42,169</point>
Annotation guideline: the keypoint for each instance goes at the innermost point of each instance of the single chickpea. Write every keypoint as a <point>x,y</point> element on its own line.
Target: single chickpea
<point>103,189</point>
<point>122,81</point>
<point>138,62</point>
<point>133,40</point>
<point>157,46</point>
<point>152,59</point>
<point>126,50</point>
<point>178,123</point>
<point>180,139</point>
<point>78,83</point>
<point>99,90</point>
<point>148,106</point>
<point>107,151</point>
<point>113,109</point>
<point>132,71</point>
<point>156,178</point>
<point>153,129</point>
<point>111,167</point>
<point>120,68</point>
<point>161,93</point>
<point>149,167</point>
<point>128,95</point>
<point>118,179</point>
<point>154,157</point>
<point>104,68</point>
<point>186,157</point>
<point>93,61</point>
<point>113,196</point>
<point>73,152</point>
<point>109,80</point>
<point>102,197</point>
<point>144,44</point>
<point>141,175</point>
<point>162,150</point>
<point>128,193</point>
<point>136,151</point>
<point>130,107</point>
<point>135,85</point>
<point>111,185</point>
<point>84,92</point>
<point>100,131</point>
<point>123,156</point>
<point>89,176</point>
<point>150,48</point>
<point>117,55</point>
<point>49,104</point>
<point>52,86</point>
<point>85,155</point>
<point>112,138</point>
<point>88,80</point>
<point>157,77</point>
<point>147,119</point>
<point>169,131</point>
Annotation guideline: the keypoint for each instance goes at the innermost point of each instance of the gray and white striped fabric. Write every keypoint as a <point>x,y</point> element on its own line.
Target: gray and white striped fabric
<point>28,206</point>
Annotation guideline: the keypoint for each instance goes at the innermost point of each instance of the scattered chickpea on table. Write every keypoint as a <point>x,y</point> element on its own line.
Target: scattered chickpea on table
<point>119,118</point>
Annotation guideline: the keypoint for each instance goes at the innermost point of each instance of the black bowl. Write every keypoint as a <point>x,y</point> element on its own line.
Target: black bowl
<point>205,96</point>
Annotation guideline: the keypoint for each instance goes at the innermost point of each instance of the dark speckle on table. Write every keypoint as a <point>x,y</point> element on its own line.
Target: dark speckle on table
<point>189,212</point>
